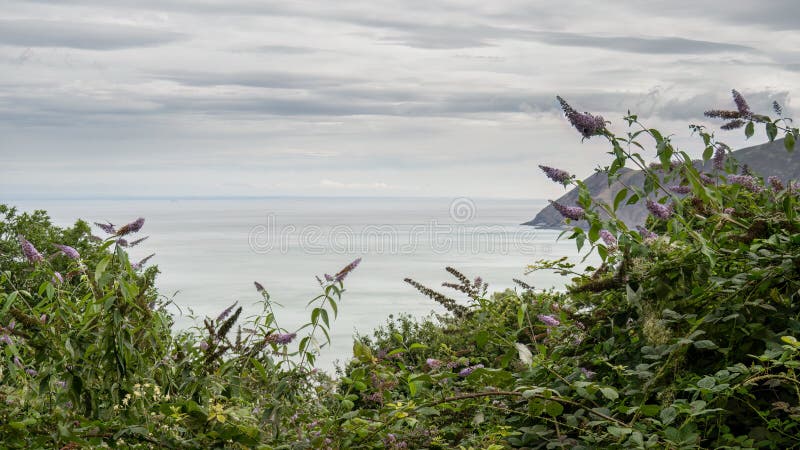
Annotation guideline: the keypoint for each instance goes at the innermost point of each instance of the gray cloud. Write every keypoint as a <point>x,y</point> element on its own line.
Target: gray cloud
<point>81,35</point>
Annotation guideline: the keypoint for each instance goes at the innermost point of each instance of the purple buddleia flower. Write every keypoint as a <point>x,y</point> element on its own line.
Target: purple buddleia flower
<point>30,252</point>
<point>433,363</point>
<point>718,160</point>
<point>107,227</point>
<point>68,251</point>
<point>678,189</point>
<point>728,211</point>
<point>347,269</point>
<point>733,124</point>
<point>57,278</point>
<point>746,181</point>
<point>142,262</point>
<point>31,372</point>
<point>259,286</point>
<point>569,212</point>
<point>557,175</point>
<point>468,370</point>
<point>226,312</point>
<point>132,227</point>
<point>587,124</point>
<point>658,210</point>
<point>706,179</point>
<point>587,373</point>
<point>723,114</point>
<point>777,108</point>
<point>137,241</point>
<point>281,338</point>
<point>328,278</point>
<point>608,239</point>
<point>741,104</point>
<point>776,183</point>
<point>6,339</point>
<point>17,362</point>
<point>122,242</point>
<point>203,345</point>
<point>549,320</point>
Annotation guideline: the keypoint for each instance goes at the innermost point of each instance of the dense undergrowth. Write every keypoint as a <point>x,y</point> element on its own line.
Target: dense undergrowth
<point>685,337</point>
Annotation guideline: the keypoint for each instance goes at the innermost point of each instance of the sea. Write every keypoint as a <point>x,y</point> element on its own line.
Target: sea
<point>211,251</point>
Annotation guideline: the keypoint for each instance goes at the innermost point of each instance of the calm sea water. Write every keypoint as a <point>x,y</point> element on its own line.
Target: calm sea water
<point>211,251</point>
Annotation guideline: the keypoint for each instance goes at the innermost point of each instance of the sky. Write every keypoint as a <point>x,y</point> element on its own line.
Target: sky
<point>179,98</point>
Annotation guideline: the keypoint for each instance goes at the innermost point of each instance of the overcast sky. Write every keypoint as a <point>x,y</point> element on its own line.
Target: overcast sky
<point>389,98</point>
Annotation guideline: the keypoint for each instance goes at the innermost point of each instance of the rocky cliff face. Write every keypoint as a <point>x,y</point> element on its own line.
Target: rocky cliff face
<point>765,160</point>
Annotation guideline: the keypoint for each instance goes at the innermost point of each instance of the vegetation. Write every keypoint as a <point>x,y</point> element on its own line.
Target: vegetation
<point>686,336</point>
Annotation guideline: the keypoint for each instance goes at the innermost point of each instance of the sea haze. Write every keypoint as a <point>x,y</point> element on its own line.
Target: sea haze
<point>211,251</point>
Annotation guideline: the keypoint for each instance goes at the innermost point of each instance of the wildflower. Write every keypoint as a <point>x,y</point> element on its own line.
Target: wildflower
<point>741,104</point>
<point>68,251</point>
<point>569,212</point>
<point>132,227</point>
<point>281,338</point>
<point>608,239</point>
<point>29,250</point>
<point>347,269</point>
<point>226,312</point>
<point>658,210</point>
<point>718,160</point>
<point>433,363</point>
<point>122,242</point>
<point>587,373</point>
<point>259,286</point>
<point>723,114</point>
<point>678,189</point>
<point>31,372</point>
<point>6,339</point>
<point>777,108</point>
<point>646,234</point>
<point>549,320</point>
<point>733,124</point>
<point>557,175</point>
<point>706,179</point>
<point>746,181</point>
<point>328,278</point>
<point>728,211</point>
<point>587,124</point>
<point>142,262</point>
<point>468,370</point>
<point>57,278</point>
<point>203,345</point>
<point>137,241</point>
<point>107,227</point>
<point>776,183</point>
<point>17,362</point>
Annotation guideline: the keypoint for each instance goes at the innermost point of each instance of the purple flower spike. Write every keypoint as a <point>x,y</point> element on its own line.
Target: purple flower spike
<point>6,339</point>
<point>587,373</point>
<point>31,372</point>
<point>132,227</point>
<point>226,312</point>
<point>29,250</point>
<point>203,345</point>
<point>281,338</point>
<point>746,181</point>
<point>138,241</point>
<point>107,227</point>
<point>658,210</point>
<point>608,239</point>
<point>741,104</point>
<point>328,278</point>
<point>569,212</point>
<point>68,251</point>
<point>468,370</point>
<point>587,124</point>
<point>259,286</point>
<point>433,363</point>
<point>347,269</point>
<point>139,264</point>
<point>549,320</point>
<point>776,183</point>
<point>718,160</point>
<point>557,175</point>
<point>17,362</point>
<point>680,189</point>
<point>57,278</point>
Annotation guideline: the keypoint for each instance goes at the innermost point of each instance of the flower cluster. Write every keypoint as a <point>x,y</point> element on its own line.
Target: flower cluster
<point>30,252</point>
<point>569,212</point>
<point>68,251</point>
<point>776,183</point>
<point>130,228</point>
<point>746,181</point>
<point>587,124</point>
<point>557,175</point>
<point>346,270</point>
<point>608,239</point>
<point>468,370</point>
<point>680,189</point>
<point>281,338</point>
<point>549,320</point>
<point>646,234</point>
<point>658,210</point>
<point>718,160</point>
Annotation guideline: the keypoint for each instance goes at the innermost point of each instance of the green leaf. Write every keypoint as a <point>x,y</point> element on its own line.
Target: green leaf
<point>620,197</point>
<point>705,345</point>
<point>668,415</point>
<point>609,393</point>
<point>788,142</point>
<point>772,131</point>
<point>749,129</point>
<point>553,408</point>
<point>482,337</point>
